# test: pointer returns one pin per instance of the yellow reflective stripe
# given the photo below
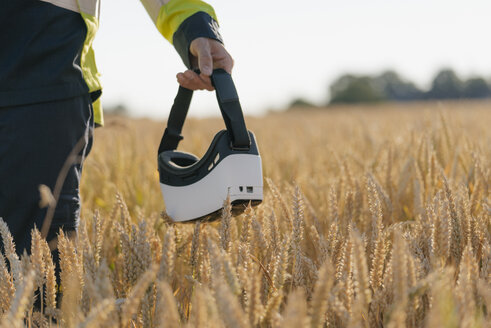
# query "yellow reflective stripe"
(153, 8)
(88, 65)
(175, 12)
(98, 114)
(89, 68)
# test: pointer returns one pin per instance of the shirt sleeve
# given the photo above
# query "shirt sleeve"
(182, 21)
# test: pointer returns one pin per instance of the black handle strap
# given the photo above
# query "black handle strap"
(230, 108)
(228, 100)
(172, 134)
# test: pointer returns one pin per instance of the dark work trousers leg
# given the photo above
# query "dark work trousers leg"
(35, 142)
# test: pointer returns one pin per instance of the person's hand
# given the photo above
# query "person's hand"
(207, 54)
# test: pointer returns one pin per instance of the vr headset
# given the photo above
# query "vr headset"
(231, 168)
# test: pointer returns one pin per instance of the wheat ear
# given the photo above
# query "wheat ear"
(10, 254)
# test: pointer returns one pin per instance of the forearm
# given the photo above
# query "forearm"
(182, 21)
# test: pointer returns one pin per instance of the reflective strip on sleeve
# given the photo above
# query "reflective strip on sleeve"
(153, 7)
(175, 12)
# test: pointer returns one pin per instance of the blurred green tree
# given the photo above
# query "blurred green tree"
(300, 103)
(391, 86)
(396, 88)
(355, 89)
(446, 85)
(476, 87)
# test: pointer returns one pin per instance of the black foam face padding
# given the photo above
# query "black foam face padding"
(184, 161)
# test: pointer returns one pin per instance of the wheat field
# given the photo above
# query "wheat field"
(374, 216)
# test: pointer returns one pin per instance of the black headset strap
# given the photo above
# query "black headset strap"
(177, 116)
(230, 108)
(228, 100)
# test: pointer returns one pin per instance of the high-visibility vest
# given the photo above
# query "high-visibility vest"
(166, 14)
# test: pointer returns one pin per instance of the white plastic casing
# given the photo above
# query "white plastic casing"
(238, 176)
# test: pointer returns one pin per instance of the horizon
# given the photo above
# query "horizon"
(300, 49)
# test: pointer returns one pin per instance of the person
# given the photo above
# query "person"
(50, 99)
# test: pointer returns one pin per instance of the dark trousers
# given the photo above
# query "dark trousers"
(35, 142)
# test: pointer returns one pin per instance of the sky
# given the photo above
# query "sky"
(289, 49)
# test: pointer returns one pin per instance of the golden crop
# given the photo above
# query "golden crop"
(373, 217)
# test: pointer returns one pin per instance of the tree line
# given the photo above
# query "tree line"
(390, 86)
